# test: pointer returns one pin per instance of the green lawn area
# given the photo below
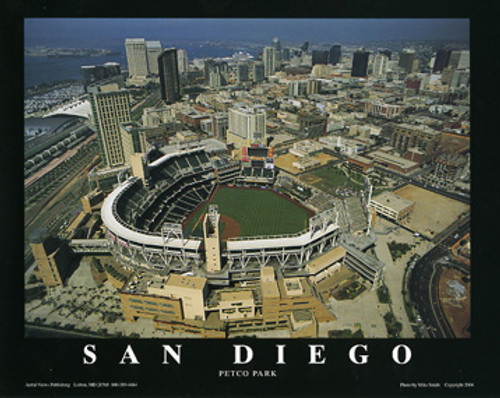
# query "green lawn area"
(393, 326)
(345, 334)
(333, 177)
(350, 292)
(398, 249)
(383, 295)
(258, 212)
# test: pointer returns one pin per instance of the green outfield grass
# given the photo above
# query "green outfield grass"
(258, 212)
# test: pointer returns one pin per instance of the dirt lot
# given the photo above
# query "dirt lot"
(433, 212)
(324, 158)
(456, 310)
(453, 143)
(285, 162)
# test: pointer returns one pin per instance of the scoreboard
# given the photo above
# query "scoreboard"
(257, 156)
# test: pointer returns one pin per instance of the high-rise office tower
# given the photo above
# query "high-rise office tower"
(285, 54)
(216, 73)
(277, 47)
(319, 57)
(208, 65)
(269, 58)
(153, 50)
(110, 105)
(242, 72)
(447, 75)
(219, 125)
(169, 76)
(305, 47)
(459, 59)
(215, 79)
(258, 72)
(137, 57)
(406, 58)
(246, 126)
(380, 65)
(297, 88)
(442, 59)
(360, 63)
(313, 86)
(386, 52)
(94, 73)
(133, 140)
(223, 69)
(335, 54)
(182, 61)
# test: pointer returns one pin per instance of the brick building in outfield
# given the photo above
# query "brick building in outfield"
(406, 136)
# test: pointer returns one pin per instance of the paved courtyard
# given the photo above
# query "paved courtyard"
(89, 309)
(395, 270)
(363, 312)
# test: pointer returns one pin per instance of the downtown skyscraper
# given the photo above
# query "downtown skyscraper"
(360, 63)
(137, 57)
(169, 76)
(110, 105)
(335, 54)
(182, 61)
(269, 58)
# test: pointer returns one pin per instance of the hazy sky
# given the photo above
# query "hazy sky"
(314, 30)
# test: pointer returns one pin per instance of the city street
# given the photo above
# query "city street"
(423, 285)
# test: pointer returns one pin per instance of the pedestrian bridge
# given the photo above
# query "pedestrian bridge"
(89, 245)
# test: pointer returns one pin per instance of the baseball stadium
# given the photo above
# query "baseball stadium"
(187, 214)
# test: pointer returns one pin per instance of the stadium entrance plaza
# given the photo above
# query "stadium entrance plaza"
(365, 311)
(395, 270)
(75, 303)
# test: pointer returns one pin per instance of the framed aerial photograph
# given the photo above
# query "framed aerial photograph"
(236, 204)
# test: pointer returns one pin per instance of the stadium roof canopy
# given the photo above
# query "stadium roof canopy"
(77, 108)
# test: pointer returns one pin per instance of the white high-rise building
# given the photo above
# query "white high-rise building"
(269, 58)
(182, 61)
(137, 58)
(110, 106)
(215, 80)
(459, 59)
(153, 50)
(277, 47)
(380, 65)
(246, 126)
(297, 88)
